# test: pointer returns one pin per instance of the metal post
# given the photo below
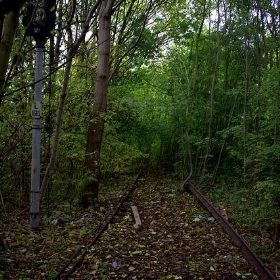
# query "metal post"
(36, 141)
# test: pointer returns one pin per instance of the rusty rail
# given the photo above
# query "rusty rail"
(263, 272)
(75, 261)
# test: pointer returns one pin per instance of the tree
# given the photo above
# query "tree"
(8, 28)
(96, 126)
(74, 46)
(103, 76)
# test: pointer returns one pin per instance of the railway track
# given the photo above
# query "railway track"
(263, 272)
(80, 260)
(74, 262)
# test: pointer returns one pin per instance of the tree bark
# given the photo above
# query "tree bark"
(10, 25)
(96, 124)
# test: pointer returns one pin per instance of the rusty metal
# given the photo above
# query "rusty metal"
(75, 261)
(263, 272)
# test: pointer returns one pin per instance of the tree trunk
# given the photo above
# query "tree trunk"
(224, 143)
(196, 63)
(70, 55)
(10, 24)
(245, 98)
(212, 98)
(62, 99)
(96, 125)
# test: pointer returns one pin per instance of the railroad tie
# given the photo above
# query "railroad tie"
(137, 219)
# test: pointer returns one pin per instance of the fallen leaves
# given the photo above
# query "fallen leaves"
(178, 240)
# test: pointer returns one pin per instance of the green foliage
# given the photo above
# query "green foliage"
(267, 199)
(119, 157)
(3, 262)
(81, 182)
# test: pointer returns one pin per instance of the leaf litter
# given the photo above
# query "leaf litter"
(178, 240)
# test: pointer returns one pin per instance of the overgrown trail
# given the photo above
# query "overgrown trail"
(178, 240)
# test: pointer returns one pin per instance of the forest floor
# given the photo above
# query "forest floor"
(178, 240)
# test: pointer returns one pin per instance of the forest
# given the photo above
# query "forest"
(92, 91)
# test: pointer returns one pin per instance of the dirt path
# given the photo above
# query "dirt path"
(178, 240)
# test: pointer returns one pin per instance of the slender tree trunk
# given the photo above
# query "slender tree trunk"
(277, 100)
(213, 88)
(227, 40)
(71, 52)
(276, 122)
(245, 100)
(224, 143)
(196, 63)
(62, 99)
(277, 97)
(10, 24)
(58, 37)
(96, 125)
(197, 166)
(187, 131)
(263, 33)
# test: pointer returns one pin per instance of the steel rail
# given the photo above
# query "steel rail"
(263, 272)
(75, 261)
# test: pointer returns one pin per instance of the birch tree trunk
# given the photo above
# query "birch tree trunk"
(96, 125)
